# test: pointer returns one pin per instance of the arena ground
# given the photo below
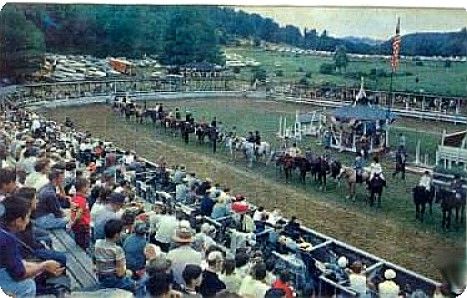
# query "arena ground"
(390, 232)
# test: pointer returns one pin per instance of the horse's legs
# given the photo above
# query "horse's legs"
(422, 212)
(379, 194)
(417, 210)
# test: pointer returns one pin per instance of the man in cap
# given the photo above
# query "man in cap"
(184, 254)
(211, 283)
(110, 211)
(389, 288)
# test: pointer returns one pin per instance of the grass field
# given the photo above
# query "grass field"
(434, 77)
(390, 232)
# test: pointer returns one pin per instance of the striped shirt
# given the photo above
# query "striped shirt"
(107, 254)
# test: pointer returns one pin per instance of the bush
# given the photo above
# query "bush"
(327, 68)
(259, 74)
(236, 69)
(419, 63)
(308, 74)
(378, 72)
(447, 63)
(300, 69)
(280, 73)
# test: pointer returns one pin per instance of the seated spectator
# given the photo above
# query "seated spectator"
(283, 283)
(239, 204)
(357, 279)
(80, 214)
(192, 275)
(7, 182)
(38, 241)
(292, 229)
(183, 254)
(220, 207)
(338, 271)
(242, 264)
(231, 280)
(110, 258)
(110, 211)
(39, 178)
(389, 288)
(134, 247)
(160, 286)
(275, 293)
(101, 201)
(181, 191)
(258, 213)
(16, 274)
(211, 284)
(207, 205)
(255, 286)
(49, 214)
(165, 225)
(204, 239)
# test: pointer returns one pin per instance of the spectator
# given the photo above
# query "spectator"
(110, 258)
(110, 211)
(211, 284)
(184, 254)
(255, 286)
(80, 215)
(357, 279)
(160, 286)
(165, 226)
(231, 280)
(220, 208)
(192, 275)
(16, 274)
(7, 182)
(389, 288)
(37, 240)
(181, 191)
(401, 157)
(283, 283)
(275, 293)
(134, 247)
(38, 178)
(49, 214)
(207, 203)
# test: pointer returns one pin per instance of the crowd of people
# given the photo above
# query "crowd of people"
(54, 177)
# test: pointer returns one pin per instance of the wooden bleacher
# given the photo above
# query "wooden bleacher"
(80, 267)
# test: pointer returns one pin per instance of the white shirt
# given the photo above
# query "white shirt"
(36, 124)
(358, 283)
(253, 288)
(388, 289)
(425, 181)
(293, 151)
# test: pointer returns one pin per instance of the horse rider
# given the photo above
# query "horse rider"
(257, 141)
(457, 187)
(358, 165)
(178, 115)
(425, 181)
(294, 151)
(189, 117)
(376, 169)
(401, 157)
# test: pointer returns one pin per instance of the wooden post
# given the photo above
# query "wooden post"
(280, 126)
(417, 153)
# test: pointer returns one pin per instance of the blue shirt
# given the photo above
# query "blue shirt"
(48, 202)
(134, 252)
(207, 204)
(10, 257)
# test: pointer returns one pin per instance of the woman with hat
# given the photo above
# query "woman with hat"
(389, 288)
(184, 254)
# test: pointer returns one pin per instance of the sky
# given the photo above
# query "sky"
(376, 23)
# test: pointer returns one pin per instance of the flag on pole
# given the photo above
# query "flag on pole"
(396, 47)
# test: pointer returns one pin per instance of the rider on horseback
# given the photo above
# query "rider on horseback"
(457, 187)
(257, 141)
(358, 167)
(425, 181)
(178, 115)
(376, 170)
(294, 151)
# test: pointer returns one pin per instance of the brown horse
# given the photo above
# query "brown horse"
(351, 176)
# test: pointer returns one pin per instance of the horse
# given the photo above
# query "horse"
(351, 176)
(421, 197)
(376, 186)
(288, 163)
(451, 200)
(263, 150)
(303, 166)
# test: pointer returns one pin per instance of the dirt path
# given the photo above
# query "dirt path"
(410, 248)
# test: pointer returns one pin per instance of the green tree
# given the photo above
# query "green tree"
(21, 44)
(340, 58)
(259, 74)
(326, 68)
(190, 38)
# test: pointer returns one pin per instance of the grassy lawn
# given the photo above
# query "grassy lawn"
(433, 76)
(390, 232)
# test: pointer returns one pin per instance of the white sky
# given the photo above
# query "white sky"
(379, 23)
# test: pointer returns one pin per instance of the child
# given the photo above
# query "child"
(80, 215)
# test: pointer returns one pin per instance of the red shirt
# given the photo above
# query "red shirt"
(278, 284)
(81, 203)
(240, 207)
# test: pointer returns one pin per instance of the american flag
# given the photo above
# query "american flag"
(396, 47)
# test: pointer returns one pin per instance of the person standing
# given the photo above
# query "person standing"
(213, 135)
(401, 157)
(80, 215)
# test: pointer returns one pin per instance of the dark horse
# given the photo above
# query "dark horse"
(421, 197)
(451, 200)
(376, 186)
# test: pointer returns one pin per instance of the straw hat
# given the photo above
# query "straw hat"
(183, 235)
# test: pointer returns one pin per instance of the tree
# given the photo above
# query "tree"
(190, 38)
(326, 68)
(340, 58)
(21, 44)
(259, 74)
